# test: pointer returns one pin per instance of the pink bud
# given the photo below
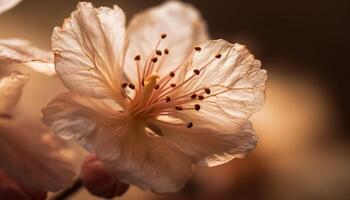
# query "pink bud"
(98, 181)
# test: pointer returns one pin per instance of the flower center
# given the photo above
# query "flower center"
(155, 96)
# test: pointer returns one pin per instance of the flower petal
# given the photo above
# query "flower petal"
(73, 116)
(180, 21)
(88, 51)
(207, 147)
(142, 160)
(231, 82)
(21, 51)
(34, 158)
(137, 157)
(8, 4)
(11, 90)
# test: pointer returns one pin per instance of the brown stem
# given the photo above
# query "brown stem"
(69, 191)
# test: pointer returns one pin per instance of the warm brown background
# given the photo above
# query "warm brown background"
(304, 127)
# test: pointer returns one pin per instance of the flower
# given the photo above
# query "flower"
(153, 99)
(28, 152)
(22, 51)
(8, 4)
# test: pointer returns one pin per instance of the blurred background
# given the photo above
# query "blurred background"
(304, 126)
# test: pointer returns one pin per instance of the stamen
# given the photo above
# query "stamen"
(159, 52)
(138, 57)
(173, 85)
(200, 97)
(172, 74)
(196, 71)
(166, 51)
(167, 99)
(218, 56)
(189, 125)
(207, 90)
(197, 107)
(198, 49)
(124, 85)
(193, 96)
(179, 108)
(163, 35)
(154, 60)
(131, 86)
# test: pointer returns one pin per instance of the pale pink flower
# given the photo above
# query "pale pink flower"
(14, 50)
(153, 99)
(27, 151)
(8, 4)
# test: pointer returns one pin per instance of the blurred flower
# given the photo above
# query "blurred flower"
(22, 51)
(148, 101)
(11, 189)
(27, 153)
(8, 4)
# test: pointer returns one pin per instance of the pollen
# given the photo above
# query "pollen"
(189, 125)
(179, 108)
(124, 85)
(131, 86)
(197, 107)
(163, 35)
(218, 56)
(154, 60)
(207, 90)
(159, 52)
(196, 71)
(166, 51)
(138, 57)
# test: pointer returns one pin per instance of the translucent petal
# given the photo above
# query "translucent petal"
(88, 51)
(230, 80)
(11, 90)
(33, 157)
(183, 26)
(21, 51)
(209, 147)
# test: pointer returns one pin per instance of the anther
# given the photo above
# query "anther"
(198, 49)
(163, 35)
(138, 57)
(207, 90)
(189, 125)
(200, 97)
(143, 82)
(172, 74)
(166, 51)
(179, 108)
(159, 52)
(131, 86)
(218, 56)
(197, 107)
(154, 60)
(124, 85)
(167, 99)
(156, 87)
(173, 85)
(196, 71)
(193, 96)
